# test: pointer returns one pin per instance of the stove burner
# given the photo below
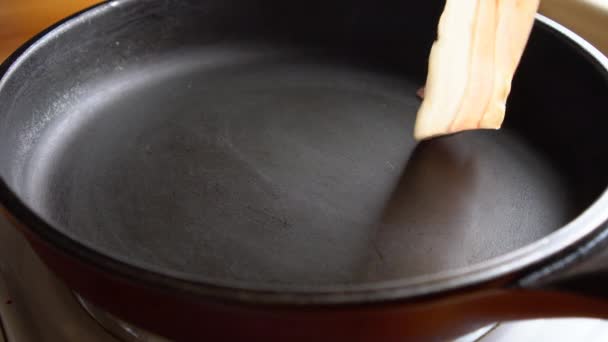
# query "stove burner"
(129, 333)
(120, 329)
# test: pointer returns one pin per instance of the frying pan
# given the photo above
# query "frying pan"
(246, 170)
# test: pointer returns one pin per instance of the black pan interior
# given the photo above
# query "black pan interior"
(263, 143)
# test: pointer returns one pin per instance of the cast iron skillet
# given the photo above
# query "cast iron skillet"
(246, 169)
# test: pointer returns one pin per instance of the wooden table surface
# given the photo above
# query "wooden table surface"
(588, 18)
(21, 19)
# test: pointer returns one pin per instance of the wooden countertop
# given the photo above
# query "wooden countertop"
(588, 18)
(21, 19)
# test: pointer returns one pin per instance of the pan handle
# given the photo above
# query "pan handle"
(582, 271)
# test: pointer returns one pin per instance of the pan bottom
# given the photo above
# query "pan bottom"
(269, 167)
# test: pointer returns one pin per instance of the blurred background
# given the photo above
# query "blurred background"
(20, 19)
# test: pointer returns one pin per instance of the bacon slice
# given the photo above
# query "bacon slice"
(472, 63)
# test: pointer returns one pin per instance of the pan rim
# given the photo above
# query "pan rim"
(590, 222)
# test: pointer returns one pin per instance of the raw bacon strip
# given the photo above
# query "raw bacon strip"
(472, 63)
